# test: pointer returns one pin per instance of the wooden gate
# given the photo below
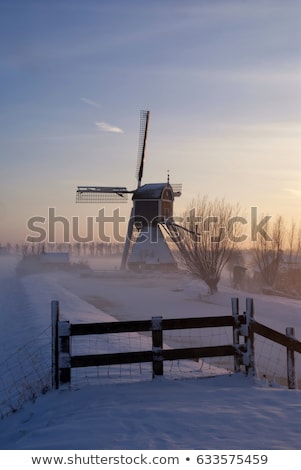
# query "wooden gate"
(243, 327)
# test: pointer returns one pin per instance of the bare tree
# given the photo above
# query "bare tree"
(294, 243)
(293, 258)
(268, 250)
(211, 231)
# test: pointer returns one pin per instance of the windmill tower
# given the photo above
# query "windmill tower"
(152, 208)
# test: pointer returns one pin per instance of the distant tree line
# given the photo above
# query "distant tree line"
(75, 249)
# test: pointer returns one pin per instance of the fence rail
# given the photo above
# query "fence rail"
(148, 325)
(244, 327)
(286, 340)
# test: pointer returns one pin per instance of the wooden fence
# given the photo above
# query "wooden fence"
(287, 340)
(242, 348)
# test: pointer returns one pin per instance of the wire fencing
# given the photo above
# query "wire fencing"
(132, 342)
(25, 374)
(271, 363)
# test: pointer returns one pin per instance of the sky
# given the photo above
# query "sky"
(221, 79)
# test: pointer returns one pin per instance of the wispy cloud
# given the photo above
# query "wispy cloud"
(90, 102)
(295, 192)
(105, 127)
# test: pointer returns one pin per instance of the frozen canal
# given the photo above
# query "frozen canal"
(15, 317)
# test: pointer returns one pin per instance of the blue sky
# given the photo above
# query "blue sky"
(221, 79)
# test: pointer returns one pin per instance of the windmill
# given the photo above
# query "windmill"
(152, 207)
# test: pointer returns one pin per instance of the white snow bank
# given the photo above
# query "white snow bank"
(227, 412)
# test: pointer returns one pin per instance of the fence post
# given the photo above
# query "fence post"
(291, 371)
(64, 359)
(235, 314)
(249, 354)
(60, 361)
(55, 316)
(157, 345)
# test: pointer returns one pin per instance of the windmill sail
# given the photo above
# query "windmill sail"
(144, 119)
(101, 194)
(177, 189)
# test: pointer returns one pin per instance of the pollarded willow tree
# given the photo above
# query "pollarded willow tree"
(209, 233)
(268, 250)
(294, 259)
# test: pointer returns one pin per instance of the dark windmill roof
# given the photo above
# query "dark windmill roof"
(151, 191)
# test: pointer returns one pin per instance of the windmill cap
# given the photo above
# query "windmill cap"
(152, 191)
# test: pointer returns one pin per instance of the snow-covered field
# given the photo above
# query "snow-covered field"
(223, 411)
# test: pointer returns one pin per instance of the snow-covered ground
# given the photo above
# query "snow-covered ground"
(193, 411)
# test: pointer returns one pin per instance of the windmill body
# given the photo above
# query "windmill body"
(153, 203)
(152, 208)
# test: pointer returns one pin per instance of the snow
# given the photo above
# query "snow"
(193, 411)
(218, 413)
